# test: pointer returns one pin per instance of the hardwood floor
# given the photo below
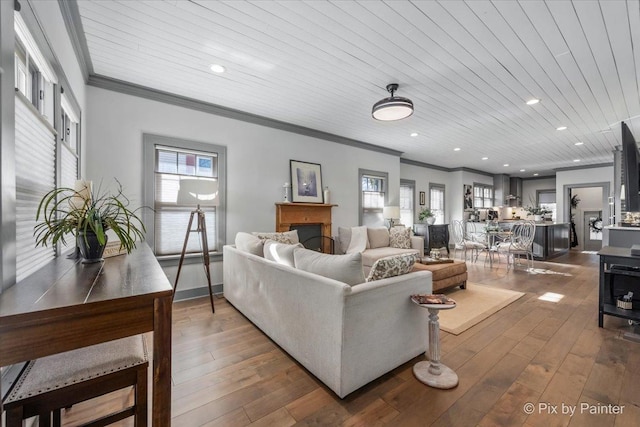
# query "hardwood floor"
(228, 373)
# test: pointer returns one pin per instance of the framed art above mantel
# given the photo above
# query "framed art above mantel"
(306, 182)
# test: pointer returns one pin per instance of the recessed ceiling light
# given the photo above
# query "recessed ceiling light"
(414, 134)
(506, 164)
(485, 158)
(456, 149)
(217, 68)
(561, 128)
(579, 143)
(576, 160)
(522, 170)
(533, 101)
(536, 174)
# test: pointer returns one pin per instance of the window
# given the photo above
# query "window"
(373, 188)
(547, 200)
(180, 176)
(436, 202)
(407, 192)
(482, 195)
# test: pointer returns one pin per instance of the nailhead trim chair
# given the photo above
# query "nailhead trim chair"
(59, 381)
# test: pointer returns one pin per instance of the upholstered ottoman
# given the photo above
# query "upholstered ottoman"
(446, 275)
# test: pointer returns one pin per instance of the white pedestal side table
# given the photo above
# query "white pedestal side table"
(432, 372)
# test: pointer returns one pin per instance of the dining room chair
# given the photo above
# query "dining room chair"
(521, 243)
(465, 242)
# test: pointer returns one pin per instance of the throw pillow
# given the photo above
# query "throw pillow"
(358, 241)
(344, 238)
(343, 268)
(392, 266)
(287, 237)
(249, 243)
(400, 237)
(280, 252)
(378, 237)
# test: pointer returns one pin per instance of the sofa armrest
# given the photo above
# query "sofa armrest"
(417, 242)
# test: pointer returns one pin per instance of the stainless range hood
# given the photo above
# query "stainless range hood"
(507, 190)
(515, 192)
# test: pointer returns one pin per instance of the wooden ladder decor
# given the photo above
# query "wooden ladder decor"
(202, 230)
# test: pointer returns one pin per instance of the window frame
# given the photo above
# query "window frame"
(412, 185)
(484, 187)
(150, 142)
(377, 174)
(436, 186)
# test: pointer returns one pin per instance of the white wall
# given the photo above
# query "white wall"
(530, 186)
(423, 177)
(581, 176)
(257, 159)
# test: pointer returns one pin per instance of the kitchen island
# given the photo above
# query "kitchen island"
(551, 238)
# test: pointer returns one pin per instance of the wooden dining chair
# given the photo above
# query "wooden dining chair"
(51, 383)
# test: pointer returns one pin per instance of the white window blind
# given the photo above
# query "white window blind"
(406, 205)
(184, 180)
(35, 176)
(436, 203)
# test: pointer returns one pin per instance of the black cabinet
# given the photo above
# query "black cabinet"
(619, 273)
(435, 236)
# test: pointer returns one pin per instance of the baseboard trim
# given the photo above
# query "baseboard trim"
(188, 294)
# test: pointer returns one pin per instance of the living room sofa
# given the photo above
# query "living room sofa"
(379, 244)
(346, 335)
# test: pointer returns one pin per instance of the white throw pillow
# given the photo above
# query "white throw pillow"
(358, 241)
(249, 243)
(344, 238)
(400, 237)
(280, 252)
(392, 266)
(343, 268)
(288, 237)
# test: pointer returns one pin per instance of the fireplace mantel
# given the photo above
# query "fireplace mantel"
(288, 214)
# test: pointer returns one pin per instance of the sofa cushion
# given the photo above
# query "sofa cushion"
(400, 237)
(392, 266)
(249, 243)
(280, 252)
(287, 237)
(344, 268)
(358, 241)
(378, 237)
(370, 256)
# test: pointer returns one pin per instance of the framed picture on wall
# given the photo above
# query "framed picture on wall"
(467, 190)
(422, 197)
(306, 182)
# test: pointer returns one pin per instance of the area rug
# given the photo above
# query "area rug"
(474, 304)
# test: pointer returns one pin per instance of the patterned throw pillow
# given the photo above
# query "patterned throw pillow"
(392, 266)
(287, 237)
(400, 237)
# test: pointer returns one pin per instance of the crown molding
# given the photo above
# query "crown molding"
(73, 23)
(572, 168)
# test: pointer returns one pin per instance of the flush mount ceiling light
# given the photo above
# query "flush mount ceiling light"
(217, 68)
(561, 128)
(533, 101)
(392, 108)
(414, 134)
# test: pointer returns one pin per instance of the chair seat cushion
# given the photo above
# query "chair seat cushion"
(63, 369)
(475, 245)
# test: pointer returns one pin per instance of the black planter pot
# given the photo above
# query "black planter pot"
(90, 248)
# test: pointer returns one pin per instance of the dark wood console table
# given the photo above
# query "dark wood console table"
(436, 236)
(67, 305)
(610, 255)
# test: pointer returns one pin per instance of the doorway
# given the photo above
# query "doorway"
(587, 209)
(592, 230)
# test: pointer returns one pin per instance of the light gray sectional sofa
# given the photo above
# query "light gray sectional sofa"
(345, 335)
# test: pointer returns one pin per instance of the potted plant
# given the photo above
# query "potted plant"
(428, 215)
(537, 212)
(87, 215)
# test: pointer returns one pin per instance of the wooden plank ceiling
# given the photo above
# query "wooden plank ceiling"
(468, 66)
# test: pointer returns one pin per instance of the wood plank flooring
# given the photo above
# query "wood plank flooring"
(226, 372)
